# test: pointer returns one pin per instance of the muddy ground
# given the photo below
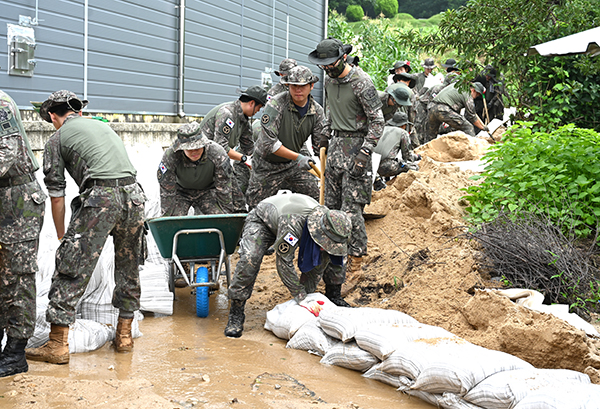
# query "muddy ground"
(417, 264)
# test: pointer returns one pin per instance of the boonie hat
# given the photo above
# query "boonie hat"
(327, 52)
(300, 75)
(404, 76)
(450, 63)
(490, 71)
(400, 94)
(479, 87)
(330, 229)
(285, 66)
(60, 97)
(257, 93)
(400, 118)
(399, 64)
(428, 63)
(189, 137)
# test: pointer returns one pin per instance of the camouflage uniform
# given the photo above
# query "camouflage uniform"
(279, 221)
(205, 185)
(110, 202)
(446, 107)
(276, 89)
(21, 217)
(282, 126)
(284, 69)
(422, 101)
(410, 111)
(393, 141)
(344, 190)
(387, 110)
(227, 125)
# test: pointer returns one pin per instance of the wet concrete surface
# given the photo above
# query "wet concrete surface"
(189, 361)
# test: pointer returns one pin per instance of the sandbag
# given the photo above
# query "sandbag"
(377, 374)
(342, 323)
(349, 355)
(310, 337)
(564, 396)
(506, 389)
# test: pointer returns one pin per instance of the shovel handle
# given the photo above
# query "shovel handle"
(316, 170)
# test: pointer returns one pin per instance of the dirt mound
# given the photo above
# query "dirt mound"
(454, 146)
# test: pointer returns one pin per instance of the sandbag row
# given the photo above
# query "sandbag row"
(425, 361)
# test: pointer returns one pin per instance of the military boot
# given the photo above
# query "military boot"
(123, 338)
(56, 350)
(13, 359)
(235, 325)
(334, 293)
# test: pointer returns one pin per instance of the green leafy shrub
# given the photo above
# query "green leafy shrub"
(354, 12)
(388, 8)
(554, 174)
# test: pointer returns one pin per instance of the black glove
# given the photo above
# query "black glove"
(485, 128)
(360, 161)
(324, 143)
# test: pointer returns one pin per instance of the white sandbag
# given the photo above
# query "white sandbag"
(441, 365)
(377, 374)
(444, 401)
(383, 340)
(349, 355)
(155, 295)
(506, 389)
(310, 337)
(342, 323)
(86, 335)
(286, 318)
(565, 396)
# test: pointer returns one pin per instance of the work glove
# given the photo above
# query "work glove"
(304, 162)
(314, 307)
(360, 161)
(485, 128)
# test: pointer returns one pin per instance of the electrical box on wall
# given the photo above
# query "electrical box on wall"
(21, 48)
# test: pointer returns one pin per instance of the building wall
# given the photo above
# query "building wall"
(132, 53)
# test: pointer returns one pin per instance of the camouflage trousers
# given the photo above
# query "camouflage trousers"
(203, 202)
(18, 267)
(118, 212)
(268, 178)
(391, 167)
(438, 113)
(347, 191)
(242, 174)
(256, 239)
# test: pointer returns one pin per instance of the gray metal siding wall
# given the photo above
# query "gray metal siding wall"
(133, 50)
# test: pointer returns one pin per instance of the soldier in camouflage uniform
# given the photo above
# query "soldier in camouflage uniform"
(392, 99)
(446, 107)
(399, 67)
(354, 122)
(21, 216)
(289, 222)
(284, 69)
(227, 124)
(195, 172)
(288, 120)
(428, 67)
(110, 202)
(394, 148)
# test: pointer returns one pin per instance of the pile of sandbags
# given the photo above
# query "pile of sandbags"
(425, 361)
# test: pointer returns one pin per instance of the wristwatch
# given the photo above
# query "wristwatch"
(244, 159)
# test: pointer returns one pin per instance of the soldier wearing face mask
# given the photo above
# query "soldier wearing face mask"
(353, 125)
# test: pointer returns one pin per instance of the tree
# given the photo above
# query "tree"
(388, 8)
(499, 32)
(427, 8)
(354, 12)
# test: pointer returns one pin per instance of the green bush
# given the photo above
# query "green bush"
(552, 174)
(354, 12)
(388, 8)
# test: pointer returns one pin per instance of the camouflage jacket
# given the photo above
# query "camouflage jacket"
(20, 210)
(276, 89)
(388, 111)
(282, 125)
(177, 175)
(364, 106)
(457, 100)
(227, 125)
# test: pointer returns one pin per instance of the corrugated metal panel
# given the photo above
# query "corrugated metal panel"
(133, 49)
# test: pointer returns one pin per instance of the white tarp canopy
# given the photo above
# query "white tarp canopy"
(585, 42)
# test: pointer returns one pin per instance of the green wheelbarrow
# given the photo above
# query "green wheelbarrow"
(198, 239)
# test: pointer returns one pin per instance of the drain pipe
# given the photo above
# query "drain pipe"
(180, 111)
(326, 21)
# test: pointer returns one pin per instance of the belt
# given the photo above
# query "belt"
(129, 180)
(347, 134)
(17, 180)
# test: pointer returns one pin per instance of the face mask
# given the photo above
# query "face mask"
(337, 69)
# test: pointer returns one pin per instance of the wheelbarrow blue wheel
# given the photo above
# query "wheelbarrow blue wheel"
(202, 293)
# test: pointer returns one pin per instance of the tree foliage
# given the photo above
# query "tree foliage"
(354, 12)
(388, 8)
(426, 9)
(499, 32)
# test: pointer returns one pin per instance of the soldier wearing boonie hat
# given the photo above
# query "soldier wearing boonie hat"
(405, 97)
(195, 172)
(284, 69)
(228, 125)
(391, 99)
(394, 148)
(281, 159)
(428, 66)
(355, 124)
(290, 222)
(110, 202)
(446, 107)
(399, 66)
